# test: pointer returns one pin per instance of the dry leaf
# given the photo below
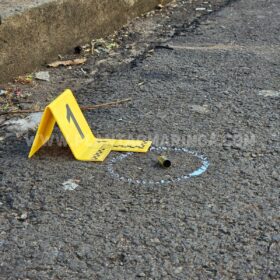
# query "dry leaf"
(67, 62)
(36, 107)
(24, 80)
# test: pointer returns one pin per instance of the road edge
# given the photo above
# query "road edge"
(37, 35)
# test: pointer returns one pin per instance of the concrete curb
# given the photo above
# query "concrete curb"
(36, 33)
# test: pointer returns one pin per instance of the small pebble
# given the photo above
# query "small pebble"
(200, 9)
(22, 217)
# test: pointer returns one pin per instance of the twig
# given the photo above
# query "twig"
(84, 108)
(167, 47)
(22, 102)
(20, 112)
(17, 102)
(105, 105)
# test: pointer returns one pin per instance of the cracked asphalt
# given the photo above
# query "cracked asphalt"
(203, 85)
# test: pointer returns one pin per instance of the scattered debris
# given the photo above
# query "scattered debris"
(112, 45)
(43, 76)
(22, 217)
(17, 92)
(83, 49)
(269, 93)
(100, 45)
(3, 92)
(76, 61)
(21, 126)
(83, 71)
(70, 185)
(159, 7)
(13, 95)
(178, 270)
(4, 106)
(12, 99)
(24, 80)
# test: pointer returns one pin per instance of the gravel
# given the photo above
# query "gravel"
(223, 224)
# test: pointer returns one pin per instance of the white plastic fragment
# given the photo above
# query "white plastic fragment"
(2, 92)
(20, 126)
(43, 76)
(70, 185)
(23, 216)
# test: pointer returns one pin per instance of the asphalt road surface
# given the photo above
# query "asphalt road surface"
(209, 99)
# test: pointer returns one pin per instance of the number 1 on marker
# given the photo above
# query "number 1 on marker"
(70, 116)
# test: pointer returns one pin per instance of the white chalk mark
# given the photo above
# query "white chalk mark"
(204, 166)
(269, 93)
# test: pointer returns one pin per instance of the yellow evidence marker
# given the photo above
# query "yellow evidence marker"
(65, 111)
